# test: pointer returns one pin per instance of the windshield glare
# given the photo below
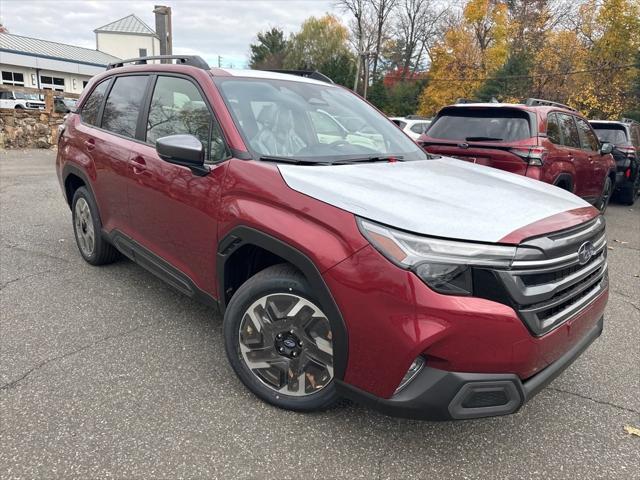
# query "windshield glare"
(475, 124)
(311, 122)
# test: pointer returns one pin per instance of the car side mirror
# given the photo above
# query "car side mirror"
(606, 148)
(185, 150)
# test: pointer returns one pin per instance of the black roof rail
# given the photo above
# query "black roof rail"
(628, 120)
(192, 60)
(418, 117)
(313, 74)
(538, 102)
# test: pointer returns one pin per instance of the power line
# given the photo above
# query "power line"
(515, 77)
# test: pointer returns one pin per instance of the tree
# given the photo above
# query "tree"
(613, 35)
(322, 44)
(270, 51)
(472, 49)
(510, 83)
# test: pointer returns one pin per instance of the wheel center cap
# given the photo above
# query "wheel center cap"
(288, 345)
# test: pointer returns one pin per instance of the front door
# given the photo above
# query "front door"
(173, 210)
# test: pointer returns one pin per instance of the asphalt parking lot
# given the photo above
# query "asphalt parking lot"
(109, 373)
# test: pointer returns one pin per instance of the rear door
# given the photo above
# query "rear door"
(571, 150)
(482, 135)
(174, 210)
(598, 164)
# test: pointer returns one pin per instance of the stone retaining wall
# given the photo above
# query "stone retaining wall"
(28, 128)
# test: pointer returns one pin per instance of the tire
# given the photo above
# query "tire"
(629, 191)
(605, 196)
(266, 346)
(87, 230)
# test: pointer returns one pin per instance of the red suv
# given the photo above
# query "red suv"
(538, 139)
(347, 263)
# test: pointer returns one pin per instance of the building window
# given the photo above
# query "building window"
(74, 83)
(13, 78)
(52, 83)
(142, 52)
(34, 80)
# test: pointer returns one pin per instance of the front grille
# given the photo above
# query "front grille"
(547, 284)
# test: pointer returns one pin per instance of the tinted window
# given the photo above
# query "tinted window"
(91, 107)
(123, 105)
(587, 137)
(478, 124)
(611, 133)
(553, 129)
(569, 131)
(636, 136)
(178, 108)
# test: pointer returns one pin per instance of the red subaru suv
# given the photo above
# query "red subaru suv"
(539, 139)
(346, 262)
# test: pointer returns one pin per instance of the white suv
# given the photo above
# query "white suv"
(28, 101)
(412, 125)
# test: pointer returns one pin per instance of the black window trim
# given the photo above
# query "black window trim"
(141, 131)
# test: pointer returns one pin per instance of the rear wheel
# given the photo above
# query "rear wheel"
(279, 341)
(629, 192)
(605, 197)
(88, 230)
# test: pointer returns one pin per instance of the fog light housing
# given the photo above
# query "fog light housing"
(414, 369)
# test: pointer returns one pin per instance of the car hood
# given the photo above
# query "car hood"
(443, 197)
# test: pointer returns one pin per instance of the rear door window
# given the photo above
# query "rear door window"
(481, 124)
(553, 129)
(419, 128)
(123, 105)
(569, 131)
(91, 107)
(588, 139)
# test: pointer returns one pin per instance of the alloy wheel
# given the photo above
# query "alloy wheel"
(85, 234)
(286, 342)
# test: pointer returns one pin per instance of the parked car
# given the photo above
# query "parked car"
(427, 288)
(538, 139)
(64, 105)
(625, 136)
(20, 100)
(412, 125)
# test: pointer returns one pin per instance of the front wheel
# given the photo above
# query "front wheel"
(87, 230)
(279, 341)
(605, 197)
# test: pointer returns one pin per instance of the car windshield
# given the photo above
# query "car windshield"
(26, 96)
(481, 124)
(311, 122)
(611, 134)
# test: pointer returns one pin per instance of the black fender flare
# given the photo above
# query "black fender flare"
(69, 169)
(564, 176)
(243, 235)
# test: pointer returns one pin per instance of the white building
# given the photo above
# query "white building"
(34, 63)
(128, 37)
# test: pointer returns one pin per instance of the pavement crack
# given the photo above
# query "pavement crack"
(46, 362)
(35, 252)
(625, 298)
(31, 275)
(601, 402)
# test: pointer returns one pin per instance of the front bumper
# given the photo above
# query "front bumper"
(441, 395)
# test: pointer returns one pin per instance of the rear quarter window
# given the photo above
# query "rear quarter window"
(478, 124)
(91, 107)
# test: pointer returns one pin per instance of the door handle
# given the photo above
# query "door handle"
(138, 164)
(90, 144)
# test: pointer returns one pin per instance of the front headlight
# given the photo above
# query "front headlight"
(444, 265)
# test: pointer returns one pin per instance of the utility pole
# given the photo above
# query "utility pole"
(219, 61)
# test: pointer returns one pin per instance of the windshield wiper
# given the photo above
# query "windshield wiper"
(484, 139)
(372, 158)
(273, 158)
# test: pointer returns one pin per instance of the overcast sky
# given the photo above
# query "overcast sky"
(207, 28)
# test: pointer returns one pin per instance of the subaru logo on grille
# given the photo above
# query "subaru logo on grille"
(585, 252)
